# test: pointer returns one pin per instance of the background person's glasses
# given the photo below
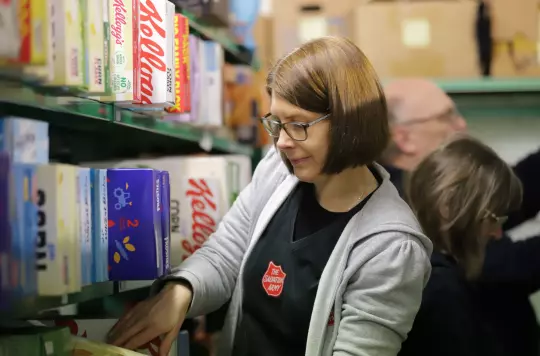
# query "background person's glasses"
(450, 116)
(296, 130)
(499, 220)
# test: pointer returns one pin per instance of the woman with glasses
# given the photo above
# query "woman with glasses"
(461, 194)
(319, 255)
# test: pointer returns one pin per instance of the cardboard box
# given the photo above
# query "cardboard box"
(58, 247)
(511, 18)
(135, 235)
(153, 58)
(182, 90)
(100, 225)
(67, 44)
(120, 63)
(516, 34)
(434, 38)
(289, 17)
(429, 38)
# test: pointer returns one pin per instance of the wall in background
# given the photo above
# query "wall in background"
(513, 139)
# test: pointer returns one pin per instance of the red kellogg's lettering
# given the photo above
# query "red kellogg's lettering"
(152, 55)
(119, 21)
(203, 225)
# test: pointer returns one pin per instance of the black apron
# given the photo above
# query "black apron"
(282, 273)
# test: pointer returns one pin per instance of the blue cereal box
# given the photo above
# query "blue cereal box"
(27, 141)
(5, 230)
(166, 220)
(24, 230)
(85, 224)
(100, 230)
(135, 233)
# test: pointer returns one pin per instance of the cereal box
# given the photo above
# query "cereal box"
(24, 29)
(135, 232)
(94, 45)
(121, 48)
(67, 43)
(151, 52)
(166, 220)
(25, 140)
(24, 231)
(182, 66)
(5, 229)
(100, 229)
(85, 225)
(57, 246)
(10, 30)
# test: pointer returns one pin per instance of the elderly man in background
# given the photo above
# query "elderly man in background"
(422, 116)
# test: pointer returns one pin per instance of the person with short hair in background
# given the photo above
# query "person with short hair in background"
(461, 193)
(319, 253)
(422, 116)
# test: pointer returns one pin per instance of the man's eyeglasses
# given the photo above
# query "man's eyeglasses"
(450, 116)
(296, 130)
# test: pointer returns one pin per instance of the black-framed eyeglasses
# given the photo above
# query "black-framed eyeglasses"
(296, 130)
(499, 220)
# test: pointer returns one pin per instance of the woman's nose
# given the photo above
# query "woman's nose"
(284, 140)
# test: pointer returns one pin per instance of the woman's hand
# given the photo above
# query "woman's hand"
(161, 315)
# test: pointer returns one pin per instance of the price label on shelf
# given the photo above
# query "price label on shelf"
(206, 142)
(125, 286)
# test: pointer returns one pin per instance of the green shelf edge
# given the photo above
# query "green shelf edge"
(490, 85)
(32, 307)
(486, 85)
(85, 112)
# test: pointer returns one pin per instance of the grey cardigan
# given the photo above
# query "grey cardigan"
(373, 280)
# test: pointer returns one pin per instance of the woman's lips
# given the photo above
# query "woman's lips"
(296, 162)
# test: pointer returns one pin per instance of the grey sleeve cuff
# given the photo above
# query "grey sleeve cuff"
(188, 277)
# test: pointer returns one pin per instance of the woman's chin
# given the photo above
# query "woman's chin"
(305, 175)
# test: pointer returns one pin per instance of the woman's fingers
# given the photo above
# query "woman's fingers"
(145, 335)
(123, 336)
(168, 340)
(121, 324)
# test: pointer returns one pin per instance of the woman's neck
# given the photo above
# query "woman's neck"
(341, 192)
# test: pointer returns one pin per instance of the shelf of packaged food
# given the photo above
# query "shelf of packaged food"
(36, 307)
(84, 114)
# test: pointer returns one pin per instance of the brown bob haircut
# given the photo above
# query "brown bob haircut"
(330, 75)
(454, 190)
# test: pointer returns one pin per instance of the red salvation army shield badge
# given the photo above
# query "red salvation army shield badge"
(273, 280)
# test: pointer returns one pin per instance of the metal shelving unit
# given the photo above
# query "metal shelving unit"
(82, 129)
(491, 98)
